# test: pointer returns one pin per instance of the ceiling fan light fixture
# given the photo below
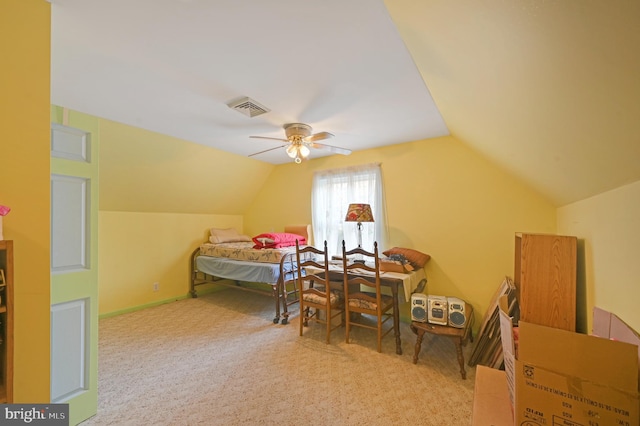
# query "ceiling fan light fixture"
(292, 151)
(300, 140)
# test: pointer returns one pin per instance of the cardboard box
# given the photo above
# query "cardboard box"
(491, 399)
(610, 326)
(565, 378)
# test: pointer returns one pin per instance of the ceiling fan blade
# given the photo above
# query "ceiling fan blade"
(318, 137)
(267, 150)
(266, 137)
(331, 148)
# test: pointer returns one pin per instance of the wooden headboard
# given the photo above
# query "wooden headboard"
(304, 230)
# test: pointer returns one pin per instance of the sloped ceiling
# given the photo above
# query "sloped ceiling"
(172, 67)
(548, 89)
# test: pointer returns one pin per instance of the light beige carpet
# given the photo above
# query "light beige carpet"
(219, 360)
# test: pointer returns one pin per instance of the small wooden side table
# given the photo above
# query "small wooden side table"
(459, 335)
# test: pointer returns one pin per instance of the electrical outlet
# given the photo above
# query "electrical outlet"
(156, 286)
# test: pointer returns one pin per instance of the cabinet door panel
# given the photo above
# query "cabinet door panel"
(545, 275)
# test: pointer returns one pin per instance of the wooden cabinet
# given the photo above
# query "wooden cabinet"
(6, 321)
(545, 278)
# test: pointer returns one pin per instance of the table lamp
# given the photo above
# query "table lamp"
(359, 213)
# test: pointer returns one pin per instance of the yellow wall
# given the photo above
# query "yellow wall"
(24, 184)
(158, 198)
(145, 171)
(138, 249)
(442, 198)
(608, 230)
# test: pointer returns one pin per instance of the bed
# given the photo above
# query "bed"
(230, 260)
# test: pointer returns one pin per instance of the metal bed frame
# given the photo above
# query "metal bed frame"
(280, 290)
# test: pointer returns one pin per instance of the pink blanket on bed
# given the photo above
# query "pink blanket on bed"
(277, 240)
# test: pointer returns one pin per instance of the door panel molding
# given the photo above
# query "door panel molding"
(70, 212)
(70, 143)
(69, 349)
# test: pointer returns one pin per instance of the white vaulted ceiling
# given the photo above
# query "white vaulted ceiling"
(172, 66)
(547, 89)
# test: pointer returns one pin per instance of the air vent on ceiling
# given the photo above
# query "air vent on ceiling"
(248, 107)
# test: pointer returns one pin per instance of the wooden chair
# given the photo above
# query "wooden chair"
(369, 302)
(318, 294)
(288, 283)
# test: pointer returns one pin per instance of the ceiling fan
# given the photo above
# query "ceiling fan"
(300, 139)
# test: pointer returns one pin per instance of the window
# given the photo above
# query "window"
(332, 192)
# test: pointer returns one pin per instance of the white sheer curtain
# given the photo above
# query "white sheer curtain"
(332, 192)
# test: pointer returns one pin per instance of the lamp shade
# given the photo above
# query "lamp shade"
(359, 213)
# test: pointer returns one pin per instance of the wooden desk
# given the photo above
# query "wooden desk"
(392, 280)
(459, 335)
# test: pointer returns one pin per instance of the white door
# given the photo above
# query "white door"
(74, 264)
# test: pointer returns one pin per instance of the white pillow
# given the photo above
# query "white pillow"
(228, 235)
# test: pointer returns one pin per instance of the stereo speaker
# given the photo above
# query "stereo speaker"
(437, 312)
(457, 315)
(419, 307)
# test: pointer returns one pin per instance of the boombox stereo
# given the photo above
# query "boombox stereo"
(437, 312)
(419, 307)
(457, 317)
